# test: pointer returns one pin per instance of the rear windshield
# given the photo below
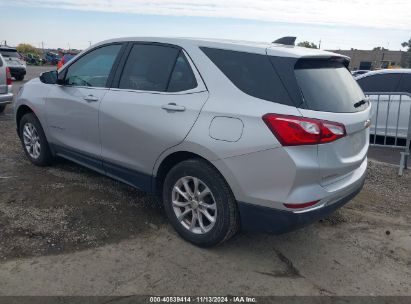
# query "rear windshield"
(9, 53)
(328, 86)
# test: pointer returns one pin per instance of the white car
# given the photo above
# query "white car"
(14, 62)
(393, 110)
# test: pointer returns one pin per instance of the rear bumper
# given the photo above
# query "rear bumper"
(6, 98)
(256, 218)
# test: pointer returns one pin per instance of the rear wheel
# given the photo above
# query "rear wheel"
(2, 108)
(34, 141)
(199, 203)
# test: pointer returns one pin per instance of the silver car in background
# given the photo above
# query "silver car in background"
(13, 60)
(6, 95)
(229, 134)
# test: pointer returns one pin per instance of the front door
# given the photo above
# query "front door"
(73, 108)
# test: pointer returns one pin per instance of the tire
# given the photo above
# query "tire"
(30, 127)
(2, 108)
(19, 77)
(224, 211)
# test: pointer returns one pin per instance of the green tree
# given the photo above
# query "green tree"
(308, 44)
(407, 61)
(26, 48)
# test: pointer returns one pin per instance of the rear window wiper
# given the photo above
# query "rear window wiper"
(361, 102)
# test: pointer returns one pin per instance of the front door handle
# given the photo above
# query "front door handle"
(91, 98)
(173, 107)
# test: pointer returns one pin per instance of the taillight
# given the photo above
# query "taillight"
(295, 130)
(8, 76)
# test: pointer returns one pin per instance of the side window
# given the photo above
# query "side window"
(148, 67)
(93, 69)
(251, 73)
(182, 78)
(380, 83)
(405, 83)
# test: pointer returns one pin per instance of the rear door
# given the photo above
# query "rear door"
(330, 93)
(151, 107)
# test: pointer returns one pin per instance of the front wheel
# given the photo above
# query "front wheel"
(34, 140)
(2, 108)
(200, 204)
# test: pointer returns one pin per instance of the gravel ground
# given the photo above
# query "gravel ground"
(49, 215)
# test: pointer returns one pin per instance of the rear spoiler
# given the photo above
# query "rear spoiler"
(320, 60)
(288, 40)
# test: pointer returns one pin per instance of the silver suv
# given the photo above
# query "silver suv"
(229, 134)
(6, 95)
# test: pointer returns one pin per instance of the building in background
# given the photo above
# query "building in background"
(374, 59)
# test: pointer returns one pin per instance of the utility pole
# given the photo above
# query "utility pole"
(319, 45)
(89, 42)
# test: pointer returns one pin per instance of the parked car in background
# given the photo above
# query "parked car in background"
(52, 58)
(33, 59)
(219, 130)
(359, 72)
(66, 58)
(393, 116)
(6, 95)
(14, 62)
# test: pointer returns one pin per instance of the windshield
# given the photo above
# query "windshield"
(328, 86)
(9, 53)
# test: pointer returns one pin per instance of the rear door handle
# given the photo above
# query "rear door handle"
(173, 107)
(91, 98)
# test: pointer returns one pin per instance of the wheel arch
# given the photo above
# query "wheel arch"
(21, 111)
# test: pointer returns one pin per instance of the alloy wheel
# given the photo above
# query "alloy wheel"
(194, 205)
(31, 140)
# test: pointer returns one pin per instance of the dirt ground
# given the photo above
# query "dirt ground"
(65, 230)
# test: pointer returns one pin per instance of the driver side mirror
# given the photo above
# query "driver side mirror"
(50, 77)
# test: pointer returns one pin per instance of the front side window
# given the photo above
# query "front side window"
(380, 82)
(93, 69)
(157, 68)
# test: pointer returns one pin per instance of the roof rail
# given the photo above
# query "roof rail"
(288, 40)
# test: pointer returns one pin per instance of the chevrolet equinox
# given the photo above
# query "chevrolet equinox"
(230, 134)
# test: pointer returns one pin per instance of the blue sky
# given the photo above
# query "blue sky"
(74, 23)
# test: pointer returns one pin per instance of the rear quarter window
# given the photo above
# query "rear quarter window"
(253, 74)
